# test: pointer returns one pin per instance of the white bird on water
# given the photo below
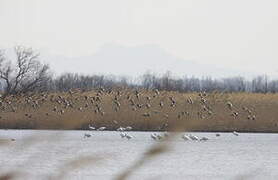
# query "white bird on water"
(101, 128)
(154, 136)
(121, 129)
(194, 138)
(128, 128)
(235, 133)
(185, 137)
(91, 127)
(125, 135)
(122, 134)
(128, 136)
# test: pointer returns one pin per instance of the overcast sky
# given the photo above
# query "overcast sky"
(240, 34)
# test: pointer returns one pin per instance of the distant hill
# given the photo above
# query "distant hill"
(134, 61)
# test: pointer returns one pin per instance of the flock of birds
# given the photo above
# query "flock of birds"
(147, 103)
(154, 136)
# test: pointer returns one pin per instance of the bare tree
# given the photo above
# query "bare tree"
(27, 74)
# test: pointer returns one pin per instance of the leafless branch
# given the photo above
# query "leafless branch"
(28, 73)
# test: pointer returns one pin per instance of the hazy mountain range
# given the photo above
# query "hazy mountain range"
(134, 61)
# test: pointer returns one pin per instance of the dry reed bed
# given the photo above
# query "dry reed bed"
(142, 110)
(180, 111)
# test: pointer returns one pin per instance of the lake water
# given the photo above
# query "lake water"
(43, 154)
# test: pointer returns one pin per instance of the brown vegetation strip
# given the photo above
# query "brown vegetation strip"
(142, 110)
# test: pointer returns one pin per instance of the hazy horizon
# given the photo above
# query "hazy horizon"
(134, 61)
(237, 37)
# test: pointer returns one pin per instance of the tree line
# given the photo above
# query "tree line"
(26, 73)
